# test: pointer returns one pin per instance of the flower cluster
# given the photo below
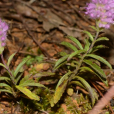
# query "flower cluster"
(3, 34)
(103, 10)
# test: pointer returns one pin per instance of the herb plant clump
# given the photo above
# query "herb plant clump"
(13, 83)
(83, 59)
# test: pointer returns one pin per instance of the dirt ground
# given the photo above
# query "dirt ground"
(39, 26)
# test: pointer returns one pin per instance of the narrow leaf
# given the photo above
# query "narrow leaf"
(24, 83)
(26, 78)
(59, 91)
(63, 54)
(100, 59)
(61, 64)
(74, 63)
(88, 87)
(87, 44)
(18, 78)
(28, 93)
(62, 59)
(92, 71)
(78, 83)
(74, 54)
(63, 78)
(93, 28)
(60, 88)
(76, 41)
(6, 87)
(4, 78)
(69, 45)
(87, 69)
(4, 90)
(95, 48)
(96, 68)
(32, 84)
(101, 39)
(89, 34)
(9, 88)
(3, 85)
(3, 65)
(43, 74)
(20, 66)
(50, 99)
(10, 59)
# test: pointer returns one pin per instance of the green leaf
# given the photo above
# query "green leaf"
(60, 90)
(1, 48)
(96, 68)
(74, 54)
(63, 54)
(69, 45)
(95, 94)
(78, 83)
(100, 59)
(50, 99)
(43, 74)
(87, 69)
(10, 76)
(5, 90)
(3, 85)
(9, 88)
(92, 71)
(10, 59)
(88, 87)
(3, 65)
(62, 59)
(63, 78)
(4, 78)
(32, 84)
(39, 58)
(95, 48)
(28, 93)
(20, 66)
(89, 34)
(76, 41)
(37, 85)
(55, 68)
(25, 82)
(26, 78)
(6, 87)
(102, 38)
(74, 63)
(87, 44)
(18, 78)
(93, 28)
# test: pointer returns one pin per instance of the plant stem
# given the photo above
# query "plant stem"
(81, 60)
(10, 73)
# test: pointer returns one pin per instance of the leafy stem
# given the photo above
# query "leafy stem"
(11, 75)
(81, 60)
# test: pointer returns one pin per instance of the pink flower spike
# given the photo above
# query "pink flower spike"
(3, 44)
(3, 38)
(102, 10)
(3, 33)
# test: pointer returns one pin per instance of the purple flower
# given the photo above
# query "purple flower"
(3, 33)
(102, 10)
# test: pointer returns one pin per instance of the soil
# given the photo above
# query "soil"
(37, 27)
